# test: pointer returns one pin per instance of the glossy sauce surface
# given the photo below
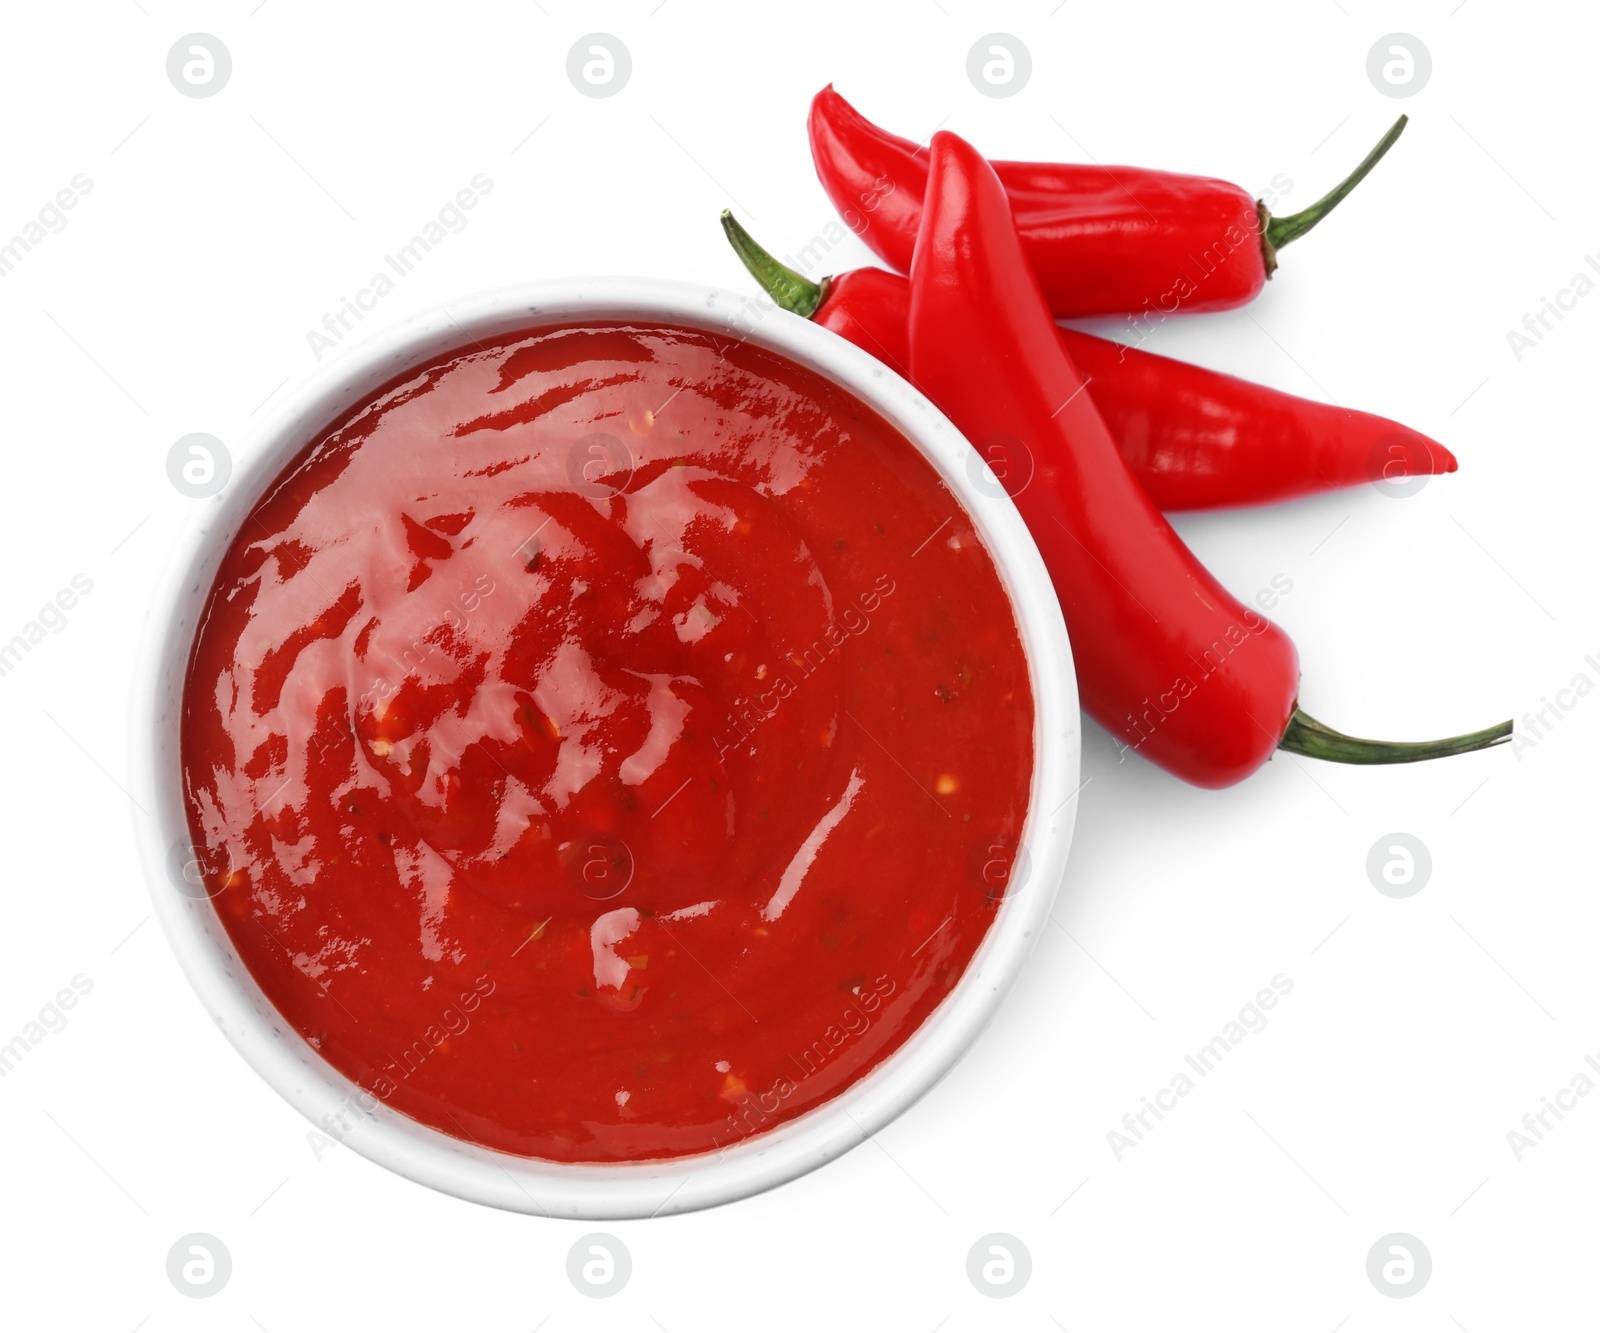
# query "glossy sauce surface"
(607, 743)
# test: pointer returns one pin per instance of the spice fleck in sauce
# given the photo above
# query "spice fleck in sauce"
(607, 743)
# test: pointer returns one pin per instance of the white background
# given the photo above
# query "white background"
(1418, 1032)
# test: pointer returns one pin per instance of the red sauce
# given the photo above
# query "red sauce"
(607, 743)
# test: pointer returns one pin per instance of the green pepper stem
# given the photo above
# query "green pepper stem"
(1278, 232)
(789, 289)
(1305, 735)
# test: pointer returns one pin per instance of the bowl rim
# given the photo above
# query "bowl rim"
(347, 1113)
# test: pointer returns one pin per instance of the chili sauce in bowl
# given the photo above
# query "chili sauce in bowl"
(589, 738)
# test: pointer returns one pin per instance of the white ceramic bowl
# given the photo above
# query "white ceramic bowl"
(522, 1184)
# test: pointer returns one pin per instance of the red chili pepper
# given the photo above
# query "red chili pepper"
(1166, 658)
(1103, 240)
(1195, 439)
